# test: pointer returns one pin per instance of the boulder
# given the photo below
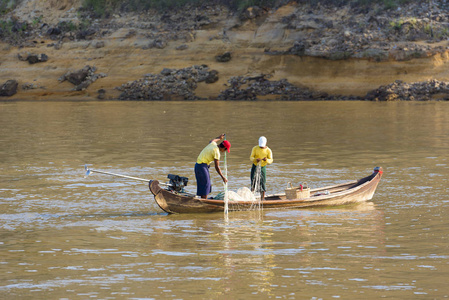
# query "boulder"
(36, 58)
(82, 78)
(32, 58)
(169, 84)
(9, 88)
(225, 57)
(212, 77)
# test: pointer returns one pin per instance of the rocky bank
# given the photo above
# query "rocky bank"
(296, 51)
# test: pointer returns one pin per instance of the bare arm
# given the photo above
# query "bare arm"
(217, 168)
(218, 138)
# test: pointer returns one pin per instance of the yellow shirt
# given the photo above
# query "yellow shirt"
(209, 153)
(261, 153)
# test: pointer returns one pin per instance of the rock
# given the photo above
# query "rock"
(9, 88)
(166, 72)
(299, 48)
(101, 94)
(417, 91)
(86, 34)
(159, 43)
(169, 84)
(77, 77)
(23, 56)
(182, 47)
(98, 44)
(54, 33)
(212, 77)
(251, 12)
(82, 78)
(33, 58)
(58, 45)
(225, 57)
(30, 86)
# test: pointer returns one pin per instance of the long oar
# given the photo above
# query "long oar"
(89, 171)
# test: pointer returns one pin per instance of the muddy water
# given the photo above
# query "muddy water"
(63, 236)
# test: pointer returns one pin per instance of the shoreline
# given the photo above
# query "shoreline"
(273, 56)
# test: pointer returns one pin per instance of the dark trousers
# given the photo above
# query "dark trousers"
(203, 183)
(263, 178)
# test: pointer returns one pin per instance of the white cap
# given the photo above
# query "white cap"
(262, 141)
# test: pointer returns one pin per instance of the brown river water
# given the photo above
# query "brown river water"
(63, 236)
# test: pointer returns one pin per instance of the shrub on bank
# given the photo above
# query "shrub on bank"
(7, 6)
(103, 8)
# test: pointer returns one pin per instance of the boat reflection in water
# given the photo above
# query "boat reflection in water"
(269, 243)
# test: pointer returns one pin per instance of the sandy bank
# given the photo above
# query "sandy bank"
(258, 47)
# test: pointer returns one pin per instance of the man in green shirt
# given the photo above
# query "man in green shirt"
(262, 155)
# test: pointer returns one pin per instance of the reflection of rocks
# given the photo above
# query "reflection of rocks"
(82, 78)
(9, 88)
(170, 84)
(421, 91)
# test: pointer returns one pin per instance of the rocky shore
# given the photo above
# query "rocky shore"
(298, 51)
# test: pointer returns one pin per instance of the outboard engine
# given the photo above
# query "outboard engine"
(177, 183)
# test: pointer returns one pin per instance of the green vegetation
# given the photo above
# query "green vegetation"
(396, 25)
(13, 30)
(6, 6)
(67, 26)
(388, 4)
(104, 8)
(391, 4)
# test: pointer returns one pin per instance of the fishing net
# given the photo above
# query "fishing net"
(243, 199)
(255, 186)
(242, 194)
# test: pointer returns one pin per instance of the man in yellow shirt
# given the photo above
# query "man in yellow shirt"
(211, 153)
(260, 155)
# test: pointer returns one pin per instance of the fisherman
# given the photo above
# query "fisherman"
(261, 156)
(211, 153)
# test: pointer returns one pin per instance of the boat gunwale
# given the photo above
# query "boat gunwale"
(293, 201)
(187, 203)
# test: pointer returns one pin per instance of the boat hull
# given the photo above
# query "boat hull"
(343, 194)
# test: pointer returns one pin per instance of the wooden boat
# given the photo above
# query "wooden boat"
(346, 193)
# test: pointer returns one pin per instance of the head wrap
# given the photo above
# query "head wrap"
(262, 141)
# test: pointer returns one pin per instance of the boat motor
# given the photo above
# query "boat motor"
(177, 183)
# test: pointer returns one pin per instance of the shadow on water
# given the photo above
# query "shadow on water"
(115, 215)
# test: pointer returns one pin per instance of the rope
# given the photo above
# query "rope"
(226, 197)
